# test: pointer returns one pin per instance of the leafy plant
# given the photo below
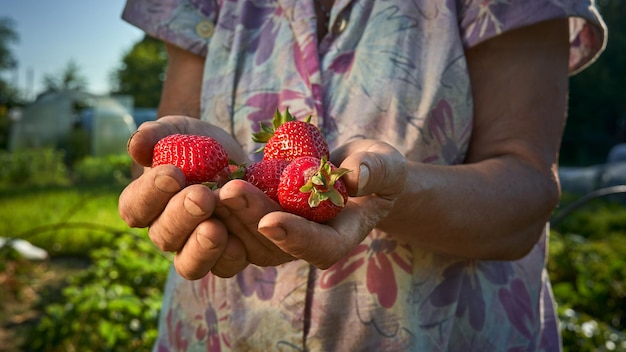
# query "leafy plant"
(36, 167)
(590, 276)
(113, 304)
(582, 333)
(112, 169)
(599, 220)
(587, 266)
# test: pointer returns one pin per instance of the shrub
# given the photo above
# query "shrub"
(36, 167)
(597, 220)
(47, 167)
(591, 276)
(113, 304)
(583, 333)
(112, 168)
(587, 266)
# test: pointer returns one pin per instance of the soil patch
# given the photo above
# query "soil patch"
(25, 287)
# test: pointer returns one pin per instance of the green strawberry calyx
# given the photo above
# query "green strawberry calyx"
(237, 171)
(267, 131)
(321, 185)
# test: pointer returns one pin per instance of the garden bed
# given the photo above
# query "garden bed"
(35, 283)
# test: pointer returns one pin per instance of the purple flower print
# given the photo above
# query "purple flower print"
(264, 21)
(177, 340)
(518, 307)
(204, 7)
(264, 105)
(485, 20)
(379, 256)
(306, 60)
(160, 11)
(443, 131)
(343, 62)
(259, 280)
(207, 330)
(461, 285)
(207, 323)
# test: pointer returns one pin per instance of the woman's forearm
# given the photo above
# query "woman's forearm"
(495, 209)
(183, 83)
(495, 205)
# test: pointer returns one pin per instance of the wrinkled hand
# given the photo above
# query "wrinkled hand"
(180, 219)
(377, 179)
(225, 230)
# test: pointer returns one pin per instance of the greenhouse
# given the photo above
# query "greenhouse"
(77, 122)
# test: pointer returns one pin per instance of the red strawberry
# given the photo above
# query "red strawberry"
(201, 158)
(265, 175)
(312, 188)
(289, 138)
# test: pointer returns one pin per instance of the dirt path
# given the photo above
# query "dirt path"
(24, 287)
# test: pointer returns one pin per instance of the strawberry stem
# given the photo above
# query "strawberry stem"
(267, 131)
(321, 185)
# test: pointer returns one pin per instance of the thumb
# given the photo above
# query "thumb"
(377, 168)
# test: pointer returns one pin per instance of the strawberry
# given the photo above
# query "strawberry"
(288, 138)
(202, 159)
(265, 175)
(311, 187)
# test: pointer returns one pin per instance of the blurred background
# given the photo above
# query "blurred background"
(76, 81)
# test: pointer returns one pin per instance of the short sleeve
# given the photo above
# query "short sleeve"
(481, 20)
(188, 24)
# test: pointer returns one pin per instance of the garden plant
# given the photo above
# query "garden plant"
(111, 301)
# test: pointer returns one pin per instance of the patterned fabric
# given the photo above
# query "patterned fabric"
(391, 70)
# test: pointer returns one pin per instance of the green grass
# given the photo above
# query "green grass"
(116, 276)
(64, 220)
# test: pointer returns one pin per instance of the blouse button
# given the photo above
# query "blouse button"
(204, 29)
(340, 24)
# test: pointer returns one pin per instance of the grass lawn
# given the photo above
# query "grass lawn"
(64, 220)
(67, 221)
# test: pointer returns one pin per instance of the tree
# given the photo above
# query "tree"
(7, 36)
(70, 78)
(142, 72)
(597, 104)
(9, 95)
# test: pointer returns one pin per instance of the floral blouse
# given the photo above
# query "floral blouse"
(392, 70)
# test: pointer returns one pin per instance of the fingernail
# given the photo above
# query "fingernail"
(364, 176)
(166, 184)
(274, 233)
(205, 242)
(228, 257)
(235, 203)
(129, 139)
(192, 207)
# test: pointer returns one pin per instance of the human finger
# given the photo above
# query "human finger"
(201, 250)
(241, 206)
(141, 143)
(233, 260)
(319, 244)
(141, 202)
(182, 215)
(380, 168)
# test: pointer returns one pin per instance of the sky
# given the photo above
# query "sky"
(53, 33)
